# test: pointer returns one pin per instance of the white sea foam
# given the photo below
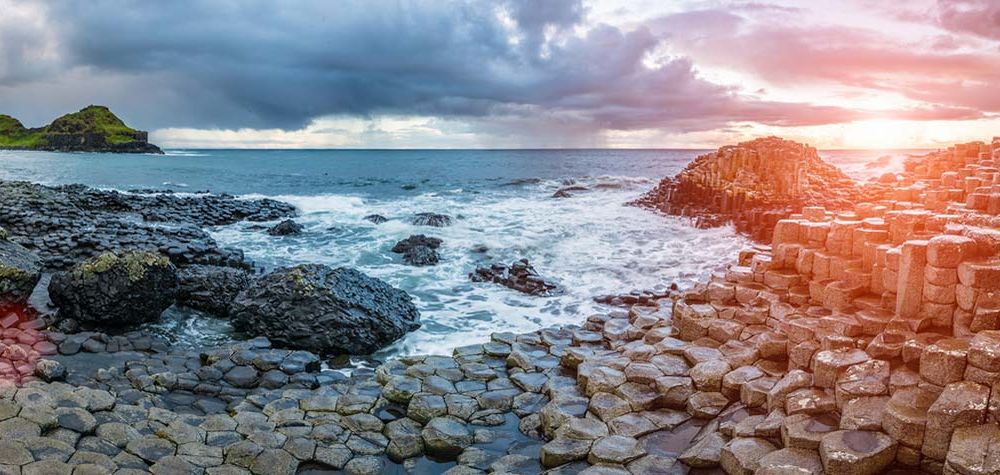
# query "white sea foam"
(589, 244)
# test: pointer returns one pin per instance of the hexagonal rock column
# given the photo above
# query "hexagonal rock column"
(828, 365)
(974, 450)
(856, 452)
(943, 362)
(741, 456)
(906, 416)
(960, 404)
(910, 284)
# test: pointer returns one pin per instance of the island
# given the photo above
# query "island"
(92, 129)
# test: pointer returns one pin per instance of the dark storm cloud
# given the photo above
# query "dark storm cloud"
(264, 64)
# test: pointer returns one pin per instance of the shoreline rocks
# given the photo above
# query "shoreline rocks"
(752, 185)
(287, 227)
(116, 290)
(20, 271)
(324, 310)
(419, 250)
(211, 289)
(520, 276)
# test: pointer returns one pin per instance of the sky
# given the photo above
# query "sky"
(511, 73)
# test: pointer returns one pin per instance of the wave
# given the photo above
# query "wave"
(590, 244)
(185, 153)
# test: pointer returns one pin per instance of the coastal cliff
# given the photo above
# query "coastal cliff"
(92, 129)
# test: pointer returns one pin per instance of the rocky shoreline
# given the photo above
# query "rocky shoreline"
(863, 339)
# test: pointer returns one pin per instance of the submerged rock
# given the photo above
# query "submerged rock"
(211, 289)
(431, 219)
(286, 228)
(20, 271)
(116, 289)
(519, 276)
(324, 310)
(419, 250)
(376, 218)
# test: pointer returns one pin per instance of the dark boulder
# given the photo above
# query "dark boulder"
(323, 310)
(431, 219)
(376, 218)
(116, 289)
(419, 250)
(211, 289)
(520, 276)
(19, 271)
(567, 192)
(286, 228)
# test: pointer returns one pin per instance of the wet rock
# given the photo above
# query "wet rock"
(419, 250)
(324, 310)
(376, 218)
(287, 227)
(431, 219)
(116, 289)
(446, 436)
(520, 276)
(211, 289)
(856, 452)
(20, 271)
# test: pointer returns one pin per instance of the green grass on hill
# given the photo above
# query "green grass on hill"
(13, 134)
(91, 119)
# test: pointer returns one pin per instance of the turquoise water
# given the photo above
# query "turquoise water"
(590, 244)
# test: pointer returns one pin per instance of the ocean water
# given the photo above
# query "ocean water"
(501, 200)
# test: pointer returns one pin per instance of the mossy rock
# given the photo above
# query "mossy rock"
(116, 289)
(20, 271)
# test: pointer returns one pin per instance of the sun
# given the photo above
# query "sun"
(881, 134)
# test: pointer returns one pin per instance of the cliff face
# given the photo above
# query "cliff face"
(752, 185)
(92, 129)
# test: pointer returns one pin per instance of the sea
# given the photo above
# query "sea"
(501, 201)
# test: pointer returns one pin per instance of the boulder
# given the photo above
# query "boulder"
(324, 310)
(19, 271)
(419, 250)
(286, 228)
(116, 289)
(211, 289)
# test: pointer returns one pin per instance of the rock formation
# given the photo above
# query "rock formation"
(211, 289)
(520, 276)
(92, 129)
(419, 250)
(752, 185)
(324, 310)
(115, 290)
(20, 271)
(287, 227)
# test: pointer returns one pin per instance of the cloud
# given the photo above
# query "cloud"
(951, 79)
(533, 73)
(976, 17)
(258, 64)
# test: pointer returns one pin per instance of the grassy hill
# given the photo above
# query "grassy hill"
(92, 129)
